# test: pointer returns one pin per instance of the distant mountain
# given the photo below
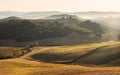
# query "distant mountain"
(96, 14)
(37, 15)
(28, 15)
(5, 14)
(60, 16)
(41, 14)
(11, 18)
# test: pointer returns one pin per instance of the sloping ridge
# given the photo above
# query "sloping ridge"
(107, 54)
(102, 55)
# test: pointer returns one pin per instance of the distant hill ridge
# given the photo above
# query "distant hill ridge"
(11, 18)
(43, 14)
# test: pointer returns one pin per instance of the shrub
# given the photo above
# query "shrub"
(10, 52)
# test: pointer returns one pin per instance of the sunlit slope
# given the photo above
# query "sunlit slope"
(92, 54)
(26, 67)
(62, 54)
(102, 55)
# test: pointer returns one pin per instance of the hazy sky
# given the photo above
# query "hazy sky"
(60, 5)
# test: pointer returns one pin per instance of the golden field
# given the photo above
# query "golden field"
(46, 61)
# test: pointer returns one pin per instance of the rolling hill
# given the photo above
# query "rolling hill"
(49, 32)
(102, 55)
(28, 15)
(95, 27)
(59, 60)
(26, 30)
(44, 14)
(91, 54)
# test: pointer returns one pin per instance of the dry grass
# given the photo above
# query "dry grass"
(61, 54)
(21, 66)
(26, 67)
(102, 55)
(11, 52)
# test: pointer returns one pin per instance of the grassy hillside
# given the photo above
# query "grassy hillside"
(102, 55)
(61, 53)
